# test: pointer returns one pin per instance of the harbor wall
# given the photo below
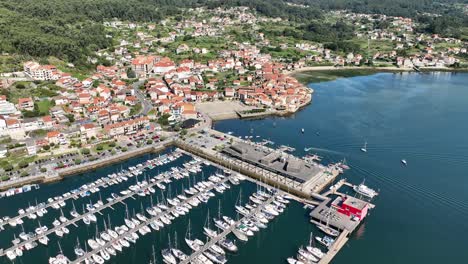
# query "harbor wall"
(242, 170)
(58, 175)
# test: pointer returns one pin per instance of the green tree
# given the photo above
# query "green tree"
(23, 164)
(130, 73)
(85, 151)
(8, 167)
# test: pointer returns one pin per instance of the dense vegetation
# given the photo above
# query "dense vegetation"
(67, 29)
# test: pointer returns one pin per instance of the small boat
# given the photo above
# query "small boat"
(294, 261)
(326, 241)
(404, 162)
(302, 130)
(228, 244)
(364, 148)
(328, 230)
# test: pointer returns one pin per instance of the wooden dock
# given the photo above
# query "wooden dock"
(335, 248)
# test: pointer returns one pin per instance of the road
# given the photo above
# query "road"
(145, 103)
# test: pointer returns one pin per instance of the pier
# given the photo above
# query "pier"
(108, 244)
(305, 189)
(120, 199)
(270, 168)
(62, 198)
(226, 232)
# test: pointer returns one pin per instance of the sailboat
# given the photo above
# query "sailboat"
(195, 244)
(314, 250)
(206, 228)
(167, 255)
(78, 250)
(364, 148)
(60, 258)
(176, 251)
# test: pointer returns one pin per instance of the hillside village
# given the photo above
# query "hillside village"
(157, 73)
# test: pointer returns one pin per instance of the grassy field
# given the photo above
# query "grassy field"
(374, 45)
(44, 106)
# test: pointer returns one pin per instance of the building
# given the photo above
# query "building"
(41, 72)
(26, 104)
(351, 206)
(56, 137)
(274, 161)
(143, 65)
(6, 108)
(127, 127)
(89, 130)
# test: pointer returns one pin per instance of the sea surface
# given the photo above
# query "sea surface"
(422, 210)
(421, 214)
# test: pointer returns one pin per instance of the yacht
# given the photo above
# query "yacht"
(307, 255)
(44, 240)
(228, 244)
(216, 258)
(364, 190)
(168, 257)
(209, 232)
(195, 244)
(294, 261)
(315, 251)
(179, 254)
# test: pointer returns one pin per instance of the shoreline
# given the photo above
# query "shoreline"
(377, 69)
(61, 174)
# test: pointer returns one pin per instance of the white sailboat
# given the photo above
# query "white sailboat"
(364, 148)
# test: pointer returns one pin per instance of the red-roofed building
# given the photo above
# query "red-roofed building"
(26, 104)
(56, 137)
(143, 65)
(127, 127)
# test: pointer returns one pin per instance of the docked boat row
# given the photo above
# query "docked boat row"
(88, 216)
(256, 216)
(111, 241)
(40, 209)
(308, 254)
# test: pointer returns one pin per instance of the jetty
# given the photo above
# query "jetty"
(72, 221)
(223, 234)
(89, 254)
(105, 181)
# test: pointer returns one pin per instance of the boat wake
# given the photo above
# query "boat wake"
(417, 191)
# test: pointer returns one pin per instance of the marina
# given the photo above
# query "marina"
(170, 207)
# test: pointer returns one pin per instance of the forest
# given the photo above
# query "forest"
(68, 30)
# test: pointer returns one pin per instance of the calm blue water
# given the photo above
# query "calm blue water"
(422, 211)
